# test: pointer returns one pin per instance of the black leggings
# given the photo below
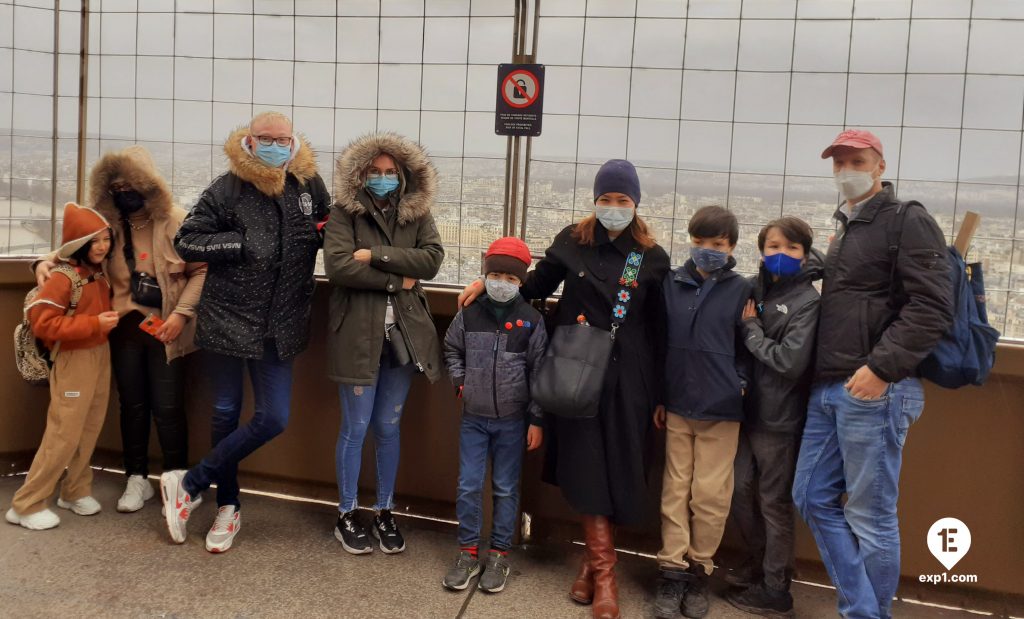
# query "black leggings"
(145, 383)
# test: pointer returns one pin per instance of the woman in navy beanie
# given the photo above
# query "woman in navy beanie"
(612, 270)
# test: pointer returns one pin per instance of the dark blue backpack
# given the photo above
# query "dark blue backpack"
(966, 353)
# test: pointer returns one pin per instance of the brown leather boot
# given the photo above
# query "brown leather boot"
(582, 590)
(601, 550)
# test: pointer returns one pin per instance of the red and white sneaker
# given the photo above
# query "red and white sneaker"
(224, 529)
(178, 505)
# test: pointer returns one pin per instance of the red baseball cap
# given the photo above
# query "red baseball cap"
(855, 138)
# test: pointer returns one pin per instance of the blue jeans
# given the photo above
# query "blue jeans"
(856, 446)
(503, 439)
(378, 405)
(272, 393)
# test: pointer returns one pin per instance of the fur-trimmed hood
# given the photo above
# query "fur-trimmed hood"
(133, 165)
(417, 174)
(269, 181)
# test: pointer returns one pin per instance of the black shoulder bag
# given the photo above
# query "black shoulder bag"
(145, 288)
(571, 373)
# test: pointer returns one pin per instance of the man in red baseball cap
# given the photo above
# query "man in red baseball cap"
(883, 309)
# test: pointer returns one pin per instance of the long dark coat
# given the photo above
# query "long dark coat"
(601, 463)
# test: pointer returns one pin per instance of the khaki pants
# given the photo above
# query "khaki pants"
(696, 490)
(79, 389)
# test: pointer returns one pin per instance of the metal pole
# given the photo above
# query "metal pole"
(506, 223)
(529, 140)
(83, 99)
(56, 107)
(514, 198)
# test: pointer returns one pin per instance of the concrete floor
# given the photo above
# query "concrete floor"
(286, 563)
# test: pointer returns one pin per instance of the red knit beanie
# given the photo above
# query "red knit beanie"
(508, 255)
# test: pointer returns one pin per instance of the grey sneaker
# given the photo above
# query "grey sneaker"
(495, 573)
(458, 576)
(671, 589)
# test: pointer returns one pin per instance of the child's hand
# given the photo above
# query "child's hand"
(534, 437)
(659, 417)
(108, 320)
(749, 310)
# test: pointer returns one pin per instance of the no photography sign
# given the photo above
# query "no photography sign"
(519, 107)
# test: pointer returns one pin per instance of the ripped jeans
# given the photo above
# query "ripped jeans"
(380, 406)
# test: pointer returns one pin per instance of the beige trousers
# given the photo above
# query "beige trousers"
(696, 490)
(79, 390)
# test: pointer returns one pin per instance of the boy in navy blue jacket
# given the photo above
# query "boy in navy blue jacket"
(492, 350)
(706, 376)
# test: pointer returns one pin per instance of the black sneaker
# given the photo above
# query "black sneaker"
(458, 576)
(671, 589)
(760, 600)
(695, 602)
(495, 573)
(352, 535)
(387, 533)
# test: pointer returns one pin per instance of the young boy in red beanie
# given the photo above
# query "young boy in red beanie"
(492, 349)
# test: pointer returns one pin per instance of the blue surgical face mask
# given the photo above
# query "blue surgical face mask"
(381, 186)
(501, 290)
(782, 265)
(708, 260)
(273, 155)
(614, 218)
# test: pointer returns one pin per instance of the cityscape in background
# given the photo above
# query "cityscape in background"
(717, 102)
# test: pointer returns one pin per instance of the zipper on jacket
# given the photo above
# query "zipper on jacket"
(494, 372)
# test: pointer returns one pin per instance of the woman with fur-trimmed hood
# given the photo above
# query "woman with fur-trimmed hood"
(258, 228)
(147, 277)
(380, 242)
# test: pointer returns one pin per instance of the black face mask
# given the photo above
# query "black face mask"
(129, 201)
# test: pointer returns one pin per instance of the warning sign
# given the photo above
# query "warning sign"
(520, 102)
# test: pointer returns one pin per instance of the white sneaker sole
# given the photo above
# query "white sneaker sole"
(465, 585)
(380, 544)
(61, 503)
(349, 549)
(498, 590)
(169, 484)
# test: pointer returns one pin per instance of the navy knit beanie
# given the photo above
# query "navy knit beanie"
(618, 176)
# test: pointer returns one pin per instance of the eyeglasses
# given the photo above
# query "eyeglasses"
(267, 140)
(378, 174)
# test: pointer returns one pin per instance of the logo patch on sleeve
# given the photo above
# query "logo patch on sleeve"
(72, 394)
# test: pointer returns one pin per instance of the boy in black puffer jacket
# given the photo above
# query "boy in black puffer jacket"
(780, 324)
(492, 349)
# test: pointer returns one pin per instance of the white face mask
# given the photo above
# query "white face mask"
(614, 218)
(500, 290)
(853, 184)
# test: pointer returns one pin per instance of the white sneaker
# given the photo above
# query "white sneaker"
(85, 506)
(196, 502)
(224, 529)
(38, 521)
(178, 504)
(136, 493)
